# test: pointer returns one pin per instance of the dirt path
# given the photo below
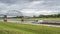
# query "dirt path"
(44, 24)
(47, 25)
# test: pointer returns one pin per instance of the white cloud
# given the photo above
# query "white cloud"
(37, 2)
(31, 7)
(32, 4)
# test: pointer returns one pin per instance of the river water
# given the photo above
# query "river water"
(30, 21)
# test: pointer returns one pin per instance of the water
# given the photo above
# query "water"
(30, 21)
(12, 20)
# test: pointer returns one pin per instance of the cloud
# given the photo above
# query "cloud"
(34, 3)
(31, 7)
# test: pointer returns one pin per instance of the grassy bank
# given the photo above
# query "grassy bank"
(46, 18)
(36, 18)
(15, 28)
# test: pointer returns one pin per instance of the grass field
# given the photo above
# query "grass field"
(47, 18)
(37, 18)
(15, 28)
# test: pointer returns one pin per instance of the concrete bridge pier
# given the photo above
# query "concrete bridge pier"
(5, 18)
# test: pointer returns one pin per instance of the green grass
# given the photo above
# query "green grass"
(45, 18)
(16, 28)
(38, 18)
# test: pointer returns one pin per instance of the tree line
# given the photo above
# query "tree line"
(48, 16)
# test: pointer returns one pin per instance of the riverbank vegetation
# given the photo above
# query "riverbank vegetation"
(17, 28)
(48, 16)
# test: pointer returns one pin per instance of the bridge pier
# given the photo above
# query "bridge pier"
(22, 20)
(5, 18)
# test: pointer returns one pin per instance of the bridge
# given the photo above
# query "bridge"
(12, 13)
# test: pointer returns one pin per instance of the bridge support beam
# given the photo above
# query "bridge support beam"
(5, 18)
(22, 20)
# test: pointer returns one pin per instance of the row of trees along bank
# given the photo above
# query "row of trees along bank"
(48, 16)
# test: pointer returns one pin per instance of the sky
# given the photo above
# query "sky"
(30, 7)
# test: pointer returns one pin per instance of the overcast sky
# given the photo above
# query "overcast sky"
(30, 7)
